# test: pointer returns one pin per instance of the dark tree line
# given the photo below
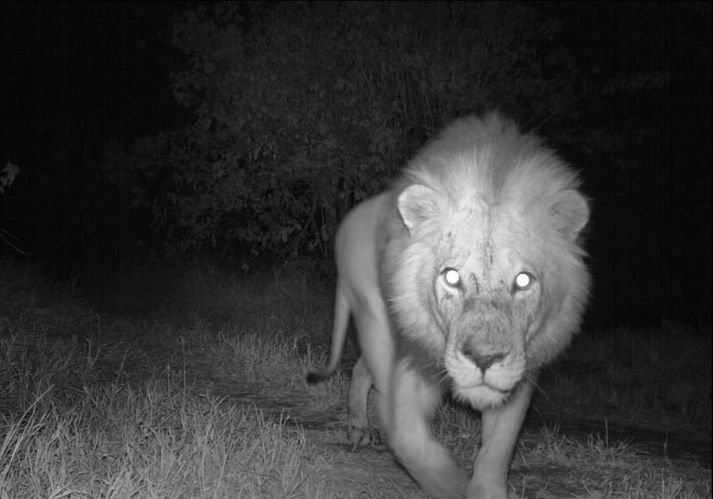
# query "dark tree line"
(303, 109)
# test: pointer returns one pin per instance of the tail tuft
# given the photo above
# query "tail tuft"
(315, 377)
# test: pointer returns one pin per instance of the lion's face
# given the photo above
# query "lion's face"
(481, 274)
(486, 295)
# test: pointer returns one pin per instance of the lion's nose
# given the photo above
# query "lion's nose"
(482, 360)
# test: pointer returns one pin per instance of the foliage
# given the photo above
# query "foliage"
(7, 176)
(303, 109)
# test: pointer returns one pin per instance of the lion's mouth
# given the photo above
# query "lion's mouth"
(496, 389)
(481, 384)
(482, 395)
(490, 387)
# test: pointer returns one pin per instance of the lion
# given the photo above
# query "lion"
(467, 275)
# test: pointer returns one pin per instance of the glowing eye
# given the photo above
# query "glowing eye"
(523, 281)
(451, 277)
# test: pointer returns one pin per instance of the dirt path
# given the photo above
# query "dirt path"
(373, 472)
(350, 471)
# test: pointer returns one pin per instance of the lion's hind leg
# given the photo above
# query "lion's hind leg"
(428, 461)
(372, 370)
(359, 432)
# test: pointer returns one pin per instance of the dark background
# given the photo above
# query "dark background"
(78, 76)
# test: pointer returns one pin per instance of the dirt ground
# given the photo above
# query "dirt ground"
(375, 466)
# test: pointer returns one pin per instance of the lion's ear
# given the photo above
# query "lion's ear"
(572, 213)
(417, 203)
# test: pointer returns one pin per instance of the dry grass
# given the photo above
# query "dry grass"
(145, 396)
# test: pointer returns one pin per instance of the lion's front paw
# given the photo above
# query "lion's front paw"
(363, 436)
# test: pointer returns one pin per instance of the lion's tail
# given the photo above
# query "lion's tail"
(339, 334)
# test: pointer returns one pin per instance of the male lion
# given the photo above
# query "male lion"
(467, 275)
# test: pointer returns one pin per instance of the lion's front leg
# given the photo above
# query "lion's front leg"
(501, 426)
(413, 401)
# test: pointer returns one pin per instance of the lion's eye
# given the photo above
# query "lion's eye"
(522, 281)
(451, 277)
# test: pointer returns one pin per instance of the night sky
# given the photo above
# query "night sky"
(77, 76)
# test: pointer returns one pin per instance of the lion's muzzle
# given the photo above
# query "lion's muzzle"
(485, 352)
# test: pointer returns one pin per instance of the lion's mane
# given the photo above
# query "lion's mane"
(477, 162)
